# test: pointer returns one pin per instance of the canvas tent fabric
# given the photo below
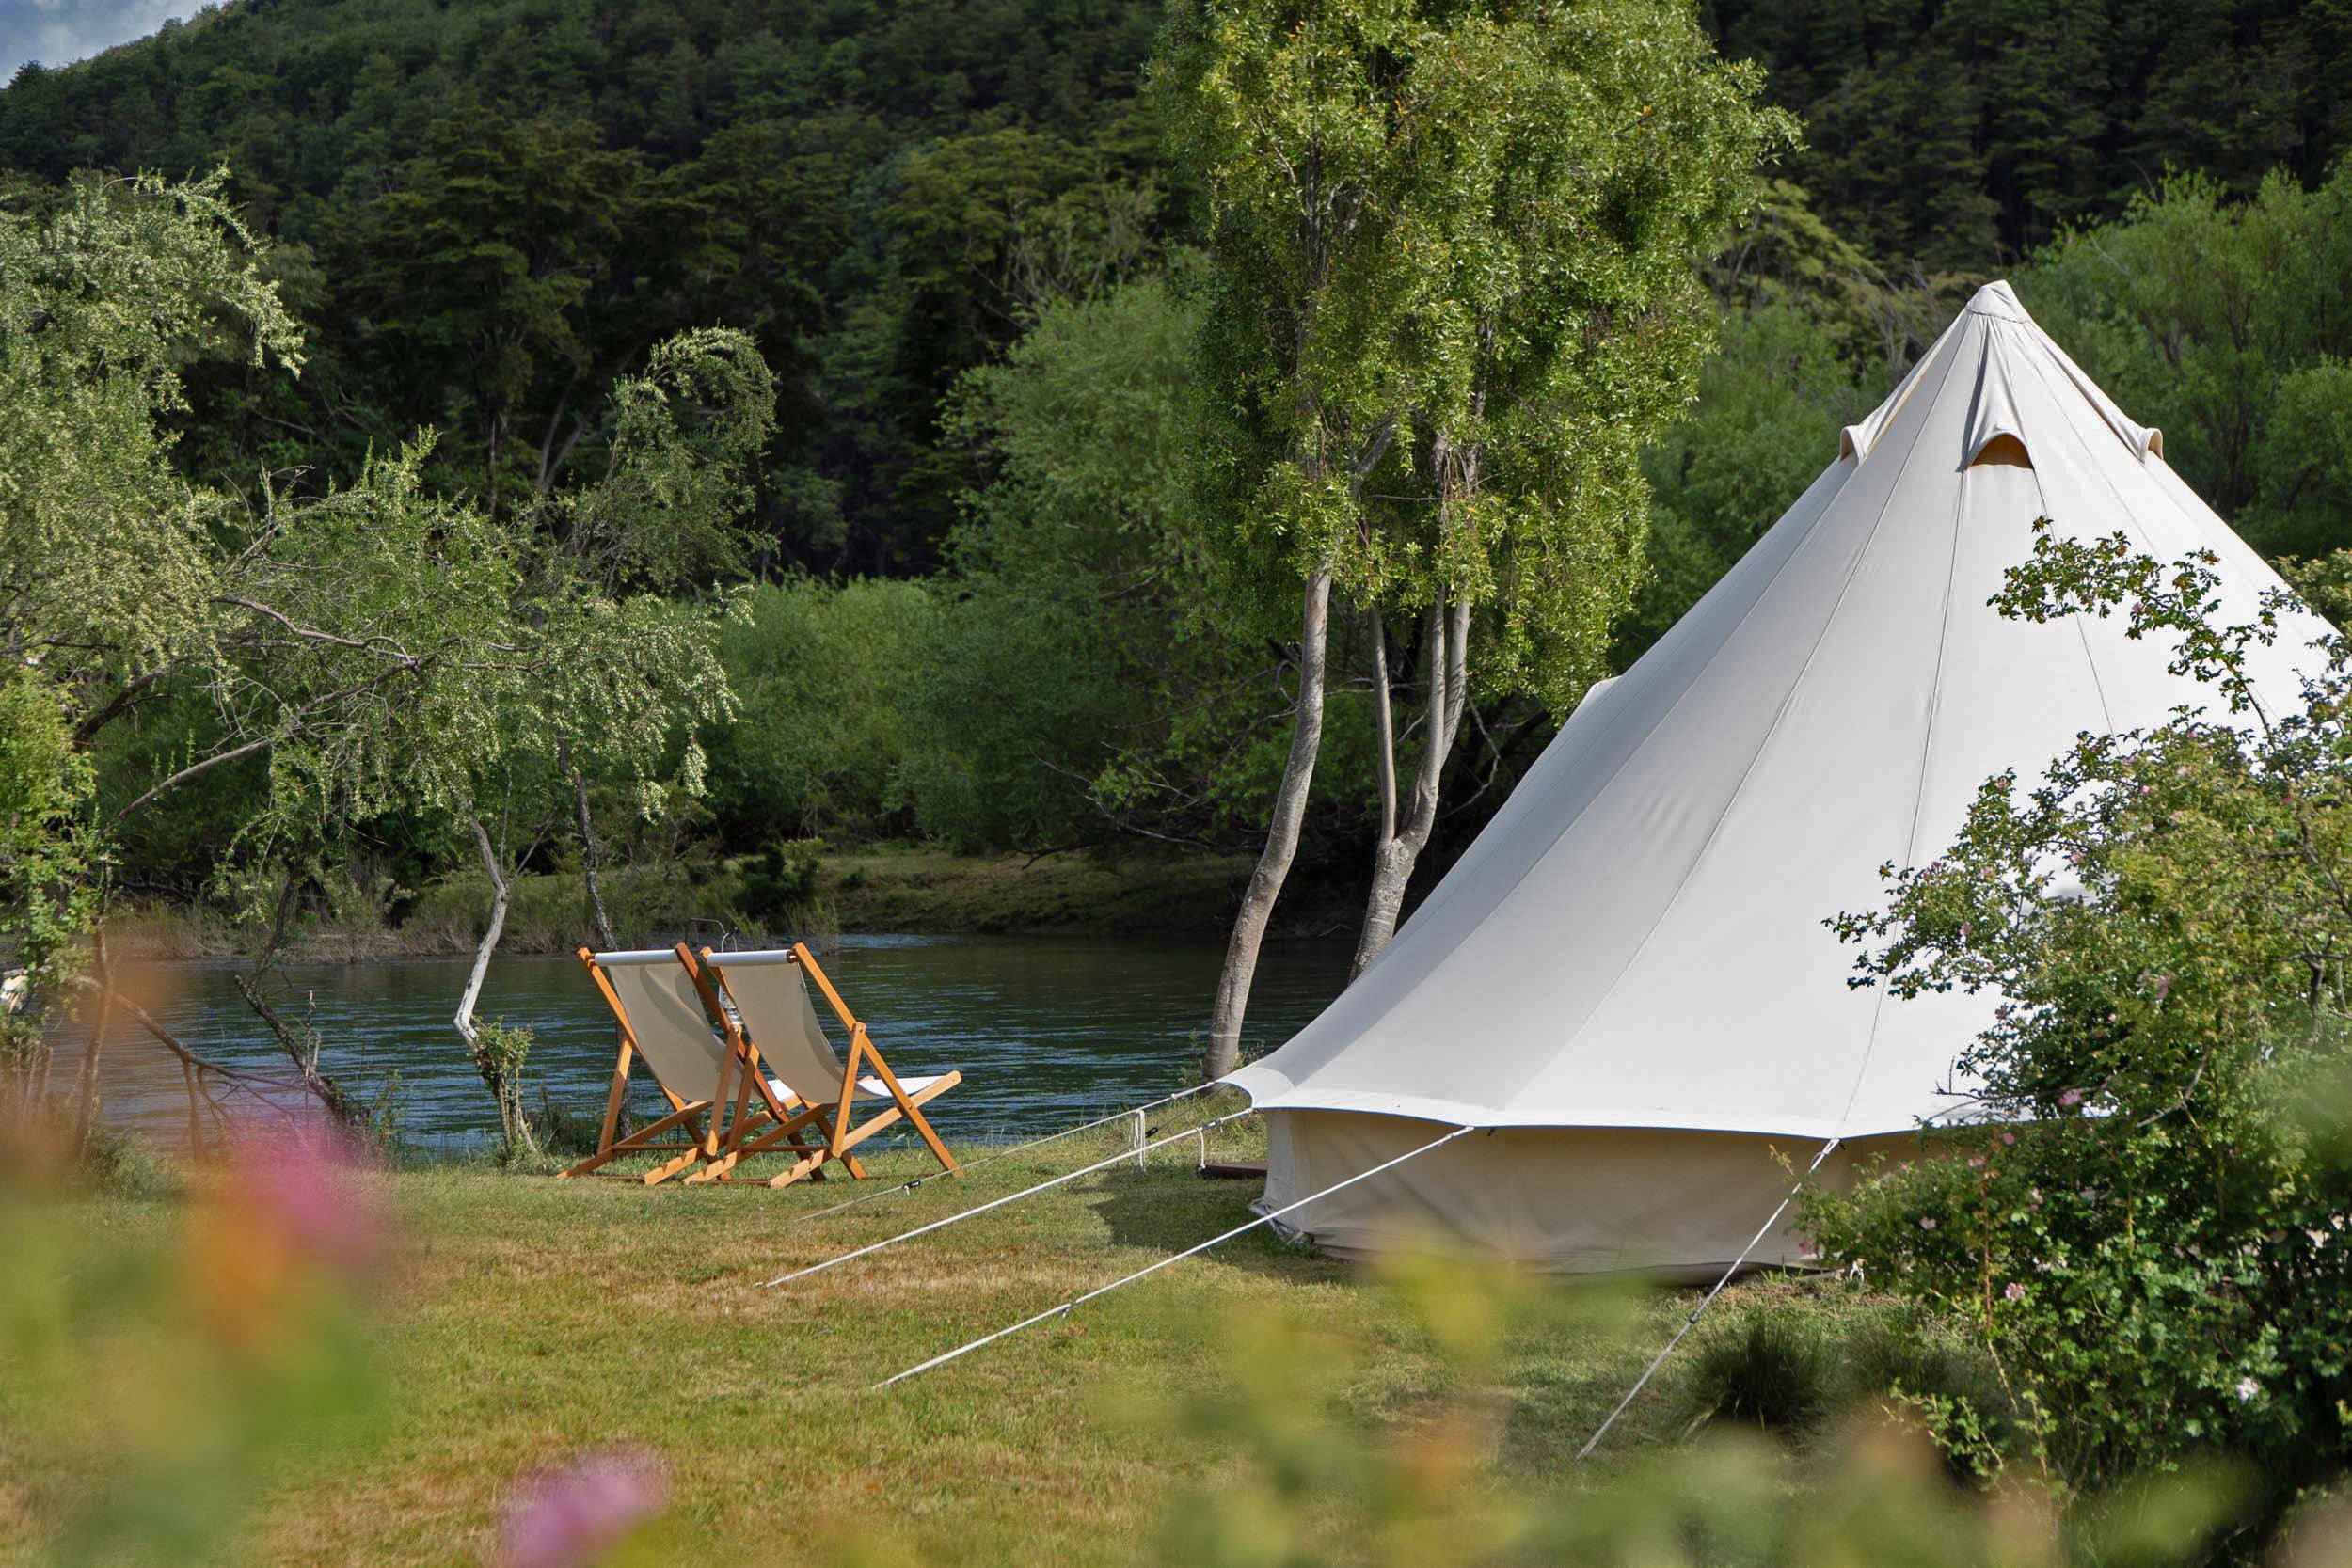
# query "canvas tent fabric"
(1627, 978)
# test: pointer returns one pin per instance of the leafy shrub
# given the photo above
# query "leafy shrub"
(123, 1164)
(1800, 1371)
(2148, 1236)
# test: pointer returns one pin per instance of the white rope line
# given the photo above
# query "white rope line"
(1076, 1302)
(1121, 1158)
(1708, 1300)
(971, 1165)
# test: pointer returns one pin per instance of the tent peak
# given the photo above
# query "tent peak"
(1989, 356)
(1998, 299)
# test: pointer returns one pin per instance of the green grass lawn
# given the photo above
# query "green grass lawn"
(519, 1320)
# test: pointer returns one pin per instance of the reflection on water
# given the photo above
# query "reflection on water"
(1044, 1029)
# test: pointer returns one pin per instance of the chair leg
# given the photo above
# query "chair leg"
(639, 1141)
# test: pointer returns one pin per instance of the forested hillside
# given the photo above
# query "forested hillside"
(488, 209)
(1962, 134)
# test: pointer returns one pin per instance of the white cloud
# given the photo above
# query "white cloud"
(58, 32)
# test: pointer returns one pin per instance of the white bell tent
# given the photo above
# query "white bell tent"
(1626, 983)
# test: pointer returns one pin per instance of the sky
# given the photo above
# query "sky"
(58, 32)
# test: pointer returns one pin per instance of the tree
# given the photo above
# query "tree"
(1455, 249)
(2229, 325)
(374, 647)
(1286, 114)
(1570, 164)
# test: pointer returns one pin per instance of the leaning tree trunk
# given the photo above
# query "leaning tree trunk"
(492, 1065)
(1400, 847)
(1282, 843)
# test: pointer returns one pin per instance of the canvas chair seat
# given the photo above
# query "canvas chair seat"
(760, 1002)
(663, 1023)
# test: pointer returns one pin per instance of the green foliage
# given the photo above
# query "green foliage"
(1957, 134)
(824, 675)
(104, 297)
(1097, 669)
(45, 854)
(487, 211)
(669, 512)
(1764, 425)
(2146, 1230)
(2229, 325)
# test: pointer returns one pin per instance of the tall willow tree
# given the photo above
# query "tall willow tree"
(1451, 254)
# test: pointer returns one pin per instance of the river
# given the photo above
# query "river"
(1045, 1030)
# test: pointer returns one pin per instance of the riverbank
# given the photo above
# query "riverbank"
(868, 890)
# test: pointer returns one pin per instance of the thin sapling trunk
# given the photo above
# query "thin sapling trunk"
(1402, 842)
(1281, 844)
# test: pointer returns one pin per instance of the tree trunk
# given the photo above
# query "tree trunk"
(1400, 847)
(1281, 844)
(590, 852)
(303, 1051)
(503, 1088)
(86, 1091)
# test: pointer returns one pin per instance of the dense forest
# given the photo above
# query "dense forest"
(982, 612)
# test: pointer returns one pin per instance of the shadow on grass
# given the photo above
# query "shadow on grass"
(1168, 1212)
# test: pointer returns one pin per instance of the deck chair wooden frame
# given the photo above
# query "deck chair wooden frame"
(697, 1119)
(814, 1131)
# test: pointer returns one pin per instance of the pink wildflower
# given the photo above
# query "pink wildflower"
(1976, 1162)
(2008, 1139)
(2016, 1291)
(1928, 1223)
(2071, 1098)
(576, 1515)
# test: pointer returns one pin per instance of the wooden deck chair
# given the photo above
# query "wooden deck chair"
(803, 1084)
(659, 1010)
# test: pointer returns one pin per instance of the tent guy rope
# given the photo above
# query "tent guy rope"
(971, 1165)
(1076, 1302)
(1705, 1301)
(1121, 1158)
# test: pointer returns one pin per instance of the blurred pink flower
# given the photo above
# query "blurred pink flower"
(2071, 1098)
(1976, 1162)
(309, 1181)
(2016, 1291)
(576, 1515)
(2009, 1138)
(1928, 1223)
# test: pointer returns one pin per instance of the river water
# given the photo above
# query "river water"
(1046, 1030)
